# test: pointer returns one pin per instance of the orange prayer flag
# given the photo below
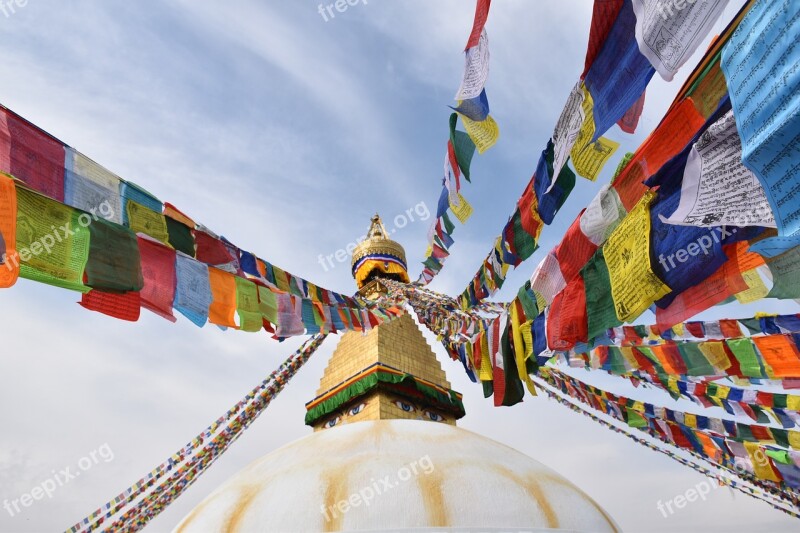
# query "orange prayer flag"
(223, 290)
(666, 141)
(9, 263)
(718, 287)
(780, 352)
(176, 214)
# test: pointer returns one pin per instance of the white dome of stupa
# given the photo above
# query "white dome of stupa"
(396, 475)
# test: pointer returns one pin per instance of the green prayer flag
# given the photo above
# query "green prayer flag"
(114, 263)
(247, 306)
(615, 361)
(524, 243)
(696, 362)
(748, 360)
(528, 301)
(52, 241)
(786, 275)
(463, 147)
(449, 227)
(268, 304)
(635, 419)
(180, 237)
(600, 310)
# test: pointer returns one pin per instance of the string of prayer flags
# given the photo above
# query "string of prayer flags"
(523, 228)
(711, 438)
(74, 223)
(481, 133)
(460, 150)
(610, 91)
(760, 66)
(770, 495)
(773, 356)
(185, 465)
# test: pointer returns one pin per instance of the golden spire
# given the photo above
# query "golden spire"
(389, 372)
(378, 256)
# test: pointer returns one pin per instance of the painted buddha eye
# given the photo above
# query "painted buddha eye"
(407, 407)
(357, 409)
(332, 422)
(436, 417)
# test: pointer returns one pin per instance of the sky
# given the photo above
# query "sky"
(285, 132)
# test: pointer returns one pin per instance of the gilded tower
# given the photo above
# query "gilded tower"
(390, 372)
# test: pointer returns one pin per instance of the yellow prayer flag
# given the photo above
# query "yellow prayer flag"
(761, 462)
(793, 402)
(714, 351)
(485, 373)
(484, 133)
(590, 160)
(587, 128)
(519, 349)
(463, 210)
(634, 285)
(756, 289)
(630, 359)
(144, 220)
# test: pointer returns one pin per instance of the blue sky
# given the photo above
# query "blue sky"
(285, 133)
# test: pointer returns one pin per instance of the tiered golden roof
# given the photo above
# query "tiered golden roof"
(390, 372)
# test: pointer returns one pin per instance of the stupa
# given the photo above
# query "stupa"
(386, 454)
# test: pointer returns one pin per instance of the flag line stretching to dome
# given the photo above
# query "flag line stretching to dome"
(194, 458)
(702, 214)
(723, 480)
